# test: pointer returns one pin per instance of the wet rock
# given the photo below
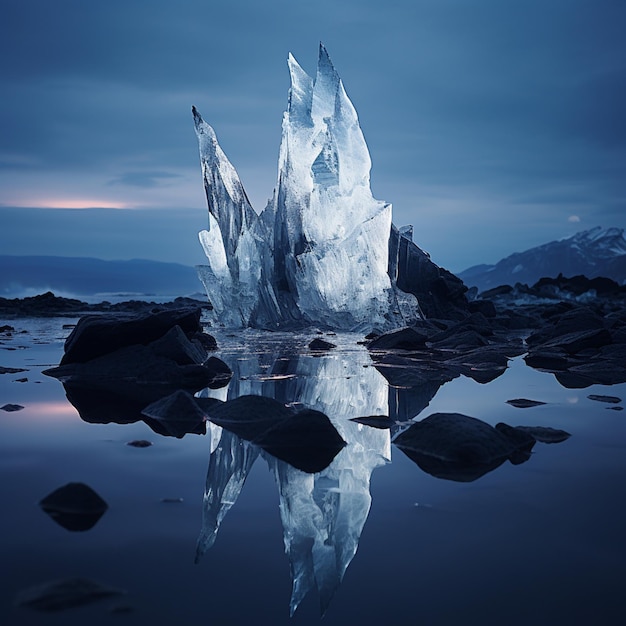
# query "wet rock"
(21, 380)
(220, 374)
(401, 339)
(58, 595)
(139, 443)
(457, 447)
(305, 439)
(11, 370)
(75, 506)
(615, 408)
(207, 341)
(174, 345)
(375, 421)
(320, 345)
(524, 403)
(545, 434)
(7, 329)
(97, 335)
(11, 407)
(608, 399)
(137, 373)
(176, 415)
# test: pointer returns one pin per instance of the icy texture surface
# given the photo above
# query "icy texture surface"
(319, 252)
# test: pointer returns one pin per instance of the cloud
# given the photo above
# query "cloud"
(574, 219)
(145, 180)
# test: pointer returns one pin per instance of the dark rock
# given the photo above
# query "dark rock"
(607, 399)
(375, 421)
(575, 342)
(320, 345)
(21, 380)
(137, 372)
(544, 434)
(177, 415)
(615, 408)
(523, 403)
(139, 443)
(305, 439)
(11, 407)
(11, 370)
(67, 593)
(74, 506)
(439, 292)
(207, 341)
(7, 329)
(462, 341)
(486, 307)
(401, 339)
(482, 365)
(249, 416)
(521, 440)
(550, 360)
(174, 345)
(456, 447)
(97, 335)
(220, 374)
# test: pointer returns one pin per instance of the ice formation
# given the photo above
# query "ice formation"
(319, 252)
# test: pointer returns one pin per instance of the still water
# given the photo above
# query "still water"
(212, 530)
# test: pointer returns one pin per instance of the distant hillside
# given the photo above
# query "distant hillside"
(87, 276)
(595, 252)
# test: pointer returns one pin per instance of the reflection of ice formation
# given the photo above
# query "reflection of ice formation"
(323, 514)
(319, 252)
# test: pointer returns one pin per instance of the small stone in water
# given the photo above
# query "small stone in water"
(139, 443)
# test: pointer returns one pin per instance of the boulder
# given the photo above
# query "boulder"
(458, 447)
(97, 335)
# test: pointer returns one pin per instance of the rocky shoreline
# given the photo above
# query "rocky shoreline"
(49, 305)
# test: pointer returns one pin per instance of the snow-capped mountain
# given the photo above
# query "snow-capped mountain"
(595, 252)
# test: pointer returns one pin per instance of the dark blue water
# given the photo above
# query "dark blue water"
(542, 542)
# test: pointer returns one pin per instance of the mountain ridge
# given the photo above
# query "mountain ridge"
(592, 253)
(89, 275)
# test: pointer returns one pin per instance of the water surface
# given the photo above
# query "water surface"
(541, 542)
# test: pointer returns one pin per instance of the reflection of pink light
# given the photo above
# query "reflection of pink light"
(56, 409)
(73, 204)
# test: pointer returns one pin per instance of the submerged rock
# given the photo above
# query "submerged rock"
(524, 403)
(58, 595)
(74, 506)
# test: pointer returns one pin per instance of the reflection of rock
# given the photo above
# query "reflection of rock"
(67, 593)
(74, 506)
(114, 366)
(456, 447)
(470, 347)
(580, 346)
(176, 415)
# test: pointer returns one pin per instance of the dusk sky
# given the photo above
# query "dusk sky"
(493, 126)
